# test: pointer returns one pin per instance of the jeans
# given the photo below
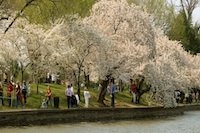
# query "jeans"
(113, 100)
(49, 99)
(17, 100)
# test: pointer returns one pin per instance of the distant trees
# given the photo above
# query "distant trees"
(182, 29)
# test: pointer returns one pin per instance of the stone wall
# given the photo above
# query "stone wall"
(56, 116)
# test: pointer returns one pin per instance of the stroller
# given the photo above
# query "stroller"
(74, 101)
(44, 104)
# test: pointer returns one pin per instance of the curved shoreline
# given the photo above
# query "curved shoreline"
(59, 116)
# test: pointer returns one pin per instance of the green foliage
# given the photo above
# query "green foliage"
(49, 10)
(178, 30)
(182, 30)
(194, 39)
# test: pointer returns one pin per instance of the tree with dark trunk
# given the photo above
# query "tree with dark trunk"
(87, 79)
(141, 88)
(103, 91)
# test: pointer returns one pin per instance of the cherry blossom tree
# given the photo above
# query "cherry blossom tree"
(139, 50)
(25, 45)
(132, 35)
(75, 46)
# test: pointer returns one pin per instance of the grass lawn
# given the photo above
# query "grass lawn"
(122, 99)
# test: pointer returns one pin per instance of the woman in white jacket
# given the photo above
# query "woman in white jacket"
(86, 96)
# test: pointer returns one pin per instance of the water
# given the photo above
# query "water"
(188, 123)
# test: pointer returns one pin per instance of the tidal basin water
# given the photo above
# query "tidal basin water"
(188, 123)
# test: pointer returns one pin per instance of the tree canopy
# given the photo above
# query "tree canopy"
(116, 39)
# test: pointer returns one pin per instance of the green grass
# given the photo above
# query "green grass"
(122, 99)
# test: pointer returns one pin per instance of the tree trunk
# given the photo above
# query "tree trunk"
(87, 79)
(75, 77)
(120, 85)
(37, 84)
(141, 90)
(78, 83)
(103, 91)
(22, 76)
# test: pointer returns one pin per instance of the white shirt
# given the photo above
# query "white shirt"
(72, 89)
(86, 94)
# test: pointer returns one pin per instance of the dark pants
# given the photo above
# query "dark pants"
(24, 95)
(113, 100)
(2, 100)
(68, 101)
(10, 101)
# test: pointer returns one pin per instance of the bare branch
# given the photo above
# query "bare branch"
(1, 1)
(18, 14)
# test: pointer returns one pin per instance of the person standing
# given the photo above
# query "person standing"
(53, 78)
(49, 99)
(86, 96)
(1, 94)
(68, 93)
(48, 77)
(24, 91)
(72, 89)
(10, 89)
(133, 90)
(18, 95)
(108, 88)
(112, 94)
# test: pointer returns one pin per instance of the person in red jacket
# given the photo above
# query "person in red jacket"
(133, 90)
(10, 89)
(18, 95)
(49, 99)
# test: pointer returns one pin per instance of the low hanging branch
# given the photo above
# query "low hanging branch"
(18, 14)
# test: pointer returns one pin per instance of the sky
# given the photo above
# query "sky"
(196, 13)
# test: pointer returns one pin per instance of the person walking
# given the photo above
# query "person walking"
(86, 96)
(112, 94)
(10, 89)
(1, 94)
(49, 99)
(18, 95)
(24, 91)
(68, 93)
